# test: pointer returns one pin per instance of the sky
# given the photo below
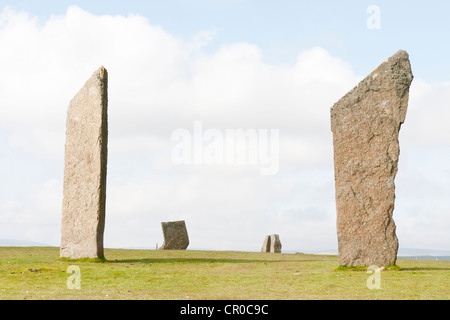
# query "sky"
(186, 75)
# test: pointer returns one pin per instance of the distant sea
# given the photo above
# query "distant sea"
(404, 253)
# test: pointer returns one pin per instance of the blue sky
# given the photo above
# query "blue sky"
(230, 64)
(287, 27)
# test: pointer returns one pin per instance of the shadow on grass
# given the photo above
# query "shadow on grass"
(199, 260)
(425, 269)
(392, 268)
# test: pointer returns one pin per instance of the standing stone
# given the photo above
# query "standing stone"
(175, 235)
(275, 244)
(266, 245)
(84, 194)
(272, 244)
(365, 125)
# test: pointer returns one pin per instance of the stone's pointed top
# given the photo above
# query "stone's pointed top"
(400, 54)
(102, 72)
(393, 74)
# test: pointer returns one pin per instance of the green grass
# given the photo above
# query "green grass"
(39, 273)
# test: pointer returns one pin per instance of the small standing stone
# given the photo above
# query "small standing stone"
(266, 245)
(175, 235)
(272, 244)
(84, 190)
(365, 125)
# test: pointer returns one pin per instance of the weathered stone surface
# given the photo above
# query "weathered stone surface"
(365, 125)
(175, 235)
(272, 244)
(84, 194)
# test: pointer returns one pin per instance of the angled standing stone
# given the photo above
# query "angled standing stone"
(272, 244)
(175, 235)
(365, 125)
(84, 194)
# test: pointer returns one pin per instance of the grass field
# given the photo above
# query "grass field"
(39, 273)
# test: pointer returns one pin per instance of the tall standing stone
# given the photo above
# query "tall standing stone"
(365, 125)
(84, 194)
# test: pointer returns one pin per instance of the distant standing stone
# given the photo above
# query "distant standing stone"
(266, 245)
(365, 125)
(84, 193)
(272, 244)
(175, 235)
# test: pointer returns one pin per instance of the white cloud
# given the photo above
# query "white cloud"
(32, 217)
(159, 83)
(428, 113)
(422, 209)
